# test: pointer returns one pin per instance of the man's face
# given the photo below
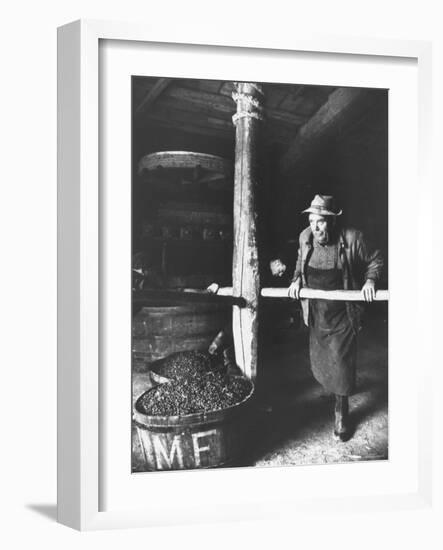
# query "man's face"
(278, 268)
(321, 227)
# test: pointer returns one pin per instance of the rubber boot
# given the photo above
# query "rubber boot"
(341, 427)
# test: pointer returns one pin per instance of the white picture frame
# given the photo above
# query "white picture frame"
(80, 412)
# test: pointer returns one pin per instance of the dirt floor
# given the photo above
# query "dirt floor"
(298, 429)
(294, 421)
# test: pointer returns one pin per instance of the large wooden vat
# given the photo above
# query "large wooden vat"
(199, 440)
(184, 216)
(160, 330)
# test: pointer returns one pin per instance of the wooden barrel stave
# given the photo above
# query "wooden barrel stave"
(161, 330)
(181, 322)
(201, 440)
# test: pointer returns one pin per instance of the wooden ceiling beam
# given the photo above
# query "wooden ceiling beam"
(189, 127)
(342, 105)
(194, 118)
(153, 94)
(170, 107)
(186, 96)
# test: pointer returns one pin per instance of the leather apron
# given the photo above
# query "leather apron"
(332, 342)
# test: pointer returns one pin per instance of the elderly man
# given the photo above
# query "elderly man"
(331, 257)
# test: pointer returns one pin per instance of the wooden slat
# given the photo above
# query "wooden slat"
(341, 104)
(202, 102)
(187, 125)
(187, 296)
(217, 102)
(171, 115)
(189, 217)
(167, 104)
(211, 86)
(153, 94)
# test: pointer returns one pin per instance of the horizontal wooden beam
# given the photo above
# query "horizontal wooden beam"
(219, 107)
(185, 126)
(157, 296)
(216, 102)
(194, 108)
(340, 106)
(224, 295)
(337, 295)
(170, 116)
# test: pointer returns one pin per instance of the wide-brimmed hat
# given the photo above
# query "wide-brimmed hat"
(323, 205)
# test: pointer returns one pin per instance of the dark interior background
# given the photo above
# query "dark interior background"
(350, 162)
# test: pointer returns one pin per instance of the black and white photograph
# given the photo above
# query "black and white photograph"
(230, 215)
(259, 274)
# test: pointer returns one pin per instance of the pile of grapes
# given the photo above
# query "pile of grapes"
(184, 365)
(195, 385)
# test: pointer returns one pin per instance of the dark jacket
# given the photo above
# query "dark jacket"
(358, 261)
